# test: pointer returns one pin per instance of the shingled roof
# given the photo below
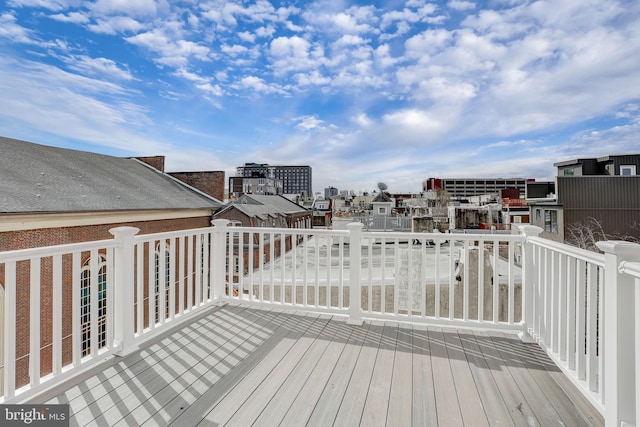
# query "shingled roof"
(39, 178)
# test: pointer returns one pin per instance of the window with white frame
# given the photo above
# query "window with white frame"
(627, 170)
(85, 305)
(162, 269)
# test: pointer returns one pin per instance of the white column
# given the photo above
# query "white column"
(123, 292)
(617, 344)
(355, 264)
(219, 254)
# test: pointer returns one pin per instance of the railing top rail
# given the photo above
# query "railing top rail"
(269, 230)
(563, 248)
(45, 251)
(446, 236)
(171, 234)
(630, 268)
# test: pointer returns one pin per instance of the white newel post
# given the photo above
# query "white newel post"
(123, 292)
(218, 247)
(355, 263)
(618, 337)
(529, 276)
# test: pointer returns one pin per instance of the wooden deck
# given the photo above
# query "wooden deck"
(241, 366)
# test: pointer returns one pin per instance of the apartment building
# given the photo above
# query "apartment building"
(469, 187)
(600, 195)
(295, 179)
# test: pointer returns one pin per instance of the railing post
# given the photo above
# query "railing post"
(218, 248)
(617, 344)
(123, 290)
(528, 277)
(355, 263)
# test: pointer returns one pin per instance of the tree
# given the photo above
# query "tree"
(586, 234)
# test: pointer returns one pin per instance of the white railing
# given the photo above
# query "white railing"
(400, 276)
(563, 312)
(69, 307)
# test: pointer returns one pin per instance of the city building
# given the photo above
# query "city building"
(254, 210)
(295, 179)
(239, 185)
(330, 192)
(597, 196)
(468, 187)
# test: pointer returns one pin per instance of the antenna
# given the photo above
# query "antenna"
(382, 186)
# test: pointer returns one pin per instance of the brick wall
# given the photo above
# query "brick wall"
(153, 161)
(211, 183)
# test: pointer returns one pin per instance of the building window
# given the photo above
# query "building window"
(568, 172)
(551, 221)
(162, 269)
(538, 214)
(85, 305)
(627, 170)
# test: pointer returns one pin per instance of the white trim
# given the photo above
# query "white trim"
(36, 221)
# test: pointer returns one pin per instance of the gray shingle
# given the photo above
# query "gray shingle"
(38, 178)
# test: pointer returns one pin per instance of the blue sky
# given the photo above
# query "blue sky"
(392, 91)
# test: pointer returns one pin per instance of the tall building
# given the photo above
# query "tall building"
(468, 187)
(295, 179)
(330, 192)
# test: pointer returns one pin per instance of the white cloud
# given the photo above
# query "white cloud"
(308, 122)
(12, 31)
(175, 53)
(54, 5)
(461, 5)
(72, 17)
(137, 8)
(115, 25)
(259, 85)
(100, 67)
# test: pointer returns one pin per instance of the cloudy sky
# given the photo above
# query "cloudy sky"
(363, 92)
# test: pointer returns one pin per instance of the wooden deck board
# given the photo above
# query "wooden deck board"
(328, 404)
(241, 365)
(447, 404)
(488, 391)
(423, 408)
(471, 406)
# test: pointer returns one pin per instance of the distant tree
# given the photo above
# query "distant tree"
(443, 197)
(586, 234)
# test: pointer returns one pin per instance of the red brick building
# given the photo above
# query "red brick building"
(54, 196)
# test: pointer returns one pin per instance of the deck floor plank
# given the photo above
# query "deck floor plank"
(220, 400)
(423, 408)
(308, 376)
(328, 404)
(447, 404)
(376, 406)
(243, 365)
(537, 398)
(488, 391)
(471, 407)
(350, 412)
(303, 406)
(400, 412)
(263, 394)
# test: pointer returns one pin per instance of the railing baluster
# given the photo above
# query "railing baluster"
(10, 286)
(481, 284)
(571, 313)
(34, 322)
(56, 356)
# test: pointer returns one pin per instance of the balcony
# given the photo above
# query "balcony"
(259, 325)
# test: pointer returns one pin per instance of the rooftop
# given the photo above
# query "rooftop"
(241, 365)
